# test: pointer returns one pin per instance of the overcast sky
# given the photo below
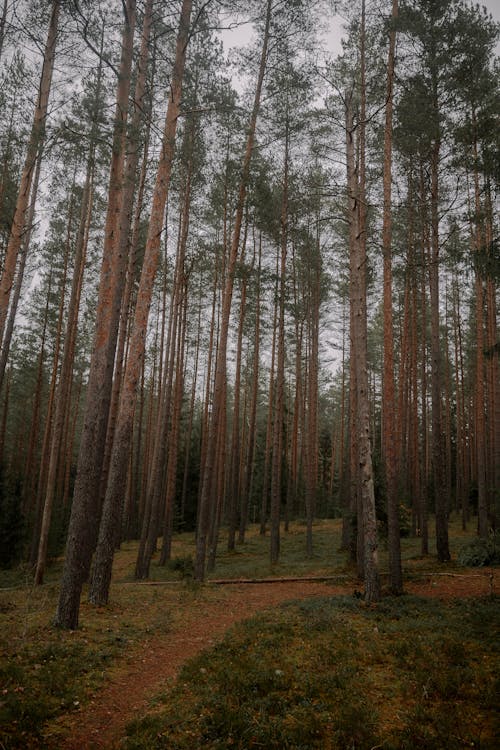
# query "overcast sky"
(333, 38)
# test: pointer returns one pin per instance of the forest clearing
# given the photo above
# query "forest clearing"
(81, 689)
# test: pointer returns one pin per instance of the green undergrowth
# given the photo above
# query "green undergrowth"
(480, 552)
(46, 673)
(333, 673)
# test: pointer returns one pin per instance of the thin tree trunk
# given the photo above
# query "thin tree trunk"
(189, 431)
(210, 472)
(156, 483)
(270, 410)
(252, 421)
(30, 499)
(5, 413)
(440, 499)
(234, 500)
(424, 378)
(3, 21)
(128, 244)
(479, 389)
(173, 440)
(358, 270)
(354, 494)
(9, 329)
(389, 423)
(64, 387)
(277, 444)
(493, 371)
(34, 145)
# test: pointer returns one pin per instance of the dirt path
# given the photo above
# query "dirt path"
(101, 723)
(155, 665)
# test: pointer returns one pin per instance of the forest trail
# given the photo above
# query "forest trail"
(196, 624)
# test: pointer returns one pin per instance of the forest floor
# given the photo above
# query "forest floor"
(198, 625)
(78, 690)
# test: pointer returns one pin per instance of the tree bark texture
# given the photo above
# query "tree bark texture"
(124, 424)
(85, 512)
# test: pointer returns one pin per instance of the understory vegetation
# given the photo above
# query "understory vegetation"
(334, 671)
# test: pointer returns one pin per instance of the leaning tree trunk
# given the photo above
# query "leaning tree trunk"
(4, 354)
(85, 510)
(123, 433)
(128, 249)
(63, 399)
(65, 377)
(35, 141)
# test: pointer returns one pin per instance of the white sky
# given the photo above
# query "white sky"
(333, 38)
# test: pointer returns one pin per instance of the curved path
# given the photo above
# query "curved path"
(155, 664)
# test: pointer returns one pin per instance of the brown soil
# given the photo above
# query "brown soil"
(198, 624)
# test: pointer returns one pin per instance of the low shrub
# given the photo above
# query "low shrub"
(481, 552)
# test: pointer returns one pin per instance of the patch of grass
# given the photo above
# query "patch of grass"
(46, 673)
(251, 559)
(333, 673)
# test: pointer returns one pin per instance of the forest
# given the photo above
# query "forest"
(245, 281)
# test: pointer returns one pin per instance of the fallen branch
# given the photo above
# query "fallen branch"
(288, 579)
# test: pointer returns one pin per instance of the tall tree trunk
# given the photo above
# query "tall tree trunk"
(34, 146)
(424, 376)
(294, 471)
(85, 510)
(389, 422)
(48, 431)
(9, 329)
(29, 498)
(234, 499)
(162, 444)
(252, 420)
(270, 411)
(279, 404)
(210, 472)
(348, 535)
(460, 474)
(173, 438)
(121, 446)
(479, 389)
(358, 271)
(314, 283)
(277, 445)
(128, 243)
(440, 499)
(189, 430)
(62, 401)
(493, 370)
